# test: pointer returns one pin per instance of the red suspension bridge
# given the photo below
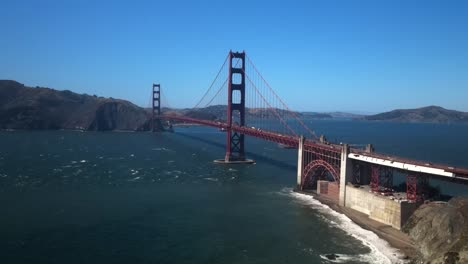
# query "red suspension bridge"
(250, 107)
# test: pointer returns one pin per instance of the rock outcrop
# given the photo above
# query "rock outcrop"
(440, 230)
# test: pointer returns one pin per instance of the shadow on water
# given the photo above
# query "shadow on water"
(256, 157)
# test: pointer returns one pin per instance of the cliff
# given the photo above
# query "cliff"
(24, 107)
(440, 230)
(429, 114)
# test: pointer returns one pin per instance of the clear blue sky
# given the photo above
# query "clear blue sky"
(367, 56)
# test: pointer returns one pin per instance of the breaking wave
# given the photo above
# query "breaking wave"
(380, 251)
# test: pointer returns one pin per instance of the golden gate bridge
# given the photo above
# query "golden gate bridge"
(252, 108)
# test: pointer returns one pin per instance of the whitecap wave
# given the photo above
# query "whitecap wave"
(381, 251)
(211, 179)
(162, 149)
(135, 179)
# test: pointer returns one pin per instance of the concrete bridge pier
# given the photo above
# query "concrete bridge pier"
(346, 171)
(300, 161)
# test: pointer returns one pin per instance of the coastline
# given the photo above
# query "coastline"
(395, 238)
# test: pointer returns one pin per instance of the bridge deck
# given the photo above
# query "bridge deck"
(411, 165)
(376, 158)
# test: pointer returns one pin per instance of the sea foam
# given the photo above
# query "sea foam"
(381, 251)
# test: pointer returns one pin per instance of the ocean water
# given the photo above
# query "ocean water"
(87, 197)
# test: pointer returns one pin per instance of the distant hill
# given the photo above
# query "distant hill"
(330, 115)
(24, 107)
(315, 115)
(219, 112)
(345, 115)
(429, 114)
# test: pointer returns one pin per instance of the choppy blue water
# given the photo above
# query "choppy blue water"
(72, 197)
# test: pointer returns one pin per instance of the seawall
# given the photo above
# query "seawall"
(394, 237)
(381, 208)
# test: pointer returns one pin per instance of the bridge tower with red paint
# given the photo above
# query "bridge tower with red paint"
(235, 146)
(156, 109)
(235, 141)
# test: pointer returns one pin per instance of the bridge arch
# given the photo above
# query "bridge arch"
(313, 168)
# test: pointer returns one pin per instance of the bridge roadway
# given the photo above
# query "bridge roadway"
(442, 171)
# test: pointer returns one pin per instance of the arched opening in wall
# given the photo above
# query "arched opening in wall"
(318, 170)
(236, 97)
(236, 78)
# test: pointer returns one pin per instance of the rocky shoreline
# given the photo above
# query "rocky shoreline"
(437, 233)
(395, 238)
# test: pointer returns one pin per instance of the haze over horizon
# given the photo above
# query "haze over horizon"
(323, 56)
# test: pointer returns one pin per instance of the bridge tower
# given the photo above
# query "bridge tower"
(156, 111)
(236, 108)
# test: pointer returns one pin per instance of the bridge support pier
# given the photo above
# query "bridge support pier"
(416, 187)
(346, 172)
(300, 162)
